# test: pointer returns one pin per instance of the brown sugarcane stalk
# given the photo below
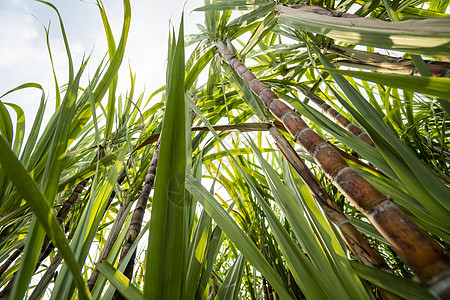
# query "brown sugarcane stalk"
(15, 254)
(384, 63)
(265, 292)
(137, 218)
(412, 243)
(49, 274)
(354, 240)
(335, 115)
(363, 252)
(139, 211)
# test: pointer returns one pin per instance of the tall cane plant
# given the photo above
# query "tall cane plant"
(226, 183)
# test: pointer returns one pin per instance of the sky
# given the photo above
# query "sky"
(24, 55)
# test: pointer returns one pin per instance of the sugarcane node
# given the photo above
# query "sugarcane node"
(133, 234)
(256, 86)
(149, 178)
(267, 96)
(138, 215)
(343, 121)
(327, 157)
(145, 194)
(307, 138)
(411, 242)
(226, 51)
(248, 76)
(277, 107)
(364, 253)
(325, 107)
(353, 129)
(241, 70)
(358, 190)
(293, 123)
(237, 65)
(366, 138)
(152, 169)
(333, 114)
(234, 62)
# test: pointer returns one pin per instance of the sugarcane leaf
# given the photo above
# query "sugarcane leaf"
(66, 42)
(247, 19)
(402, 287)
(20, 127)
(32, 137)
(433, 86)
(430, 36)
(166, 244)
(263, 29)
(304, 272)
(120, 281)
(198, 67)
(233, 5)
(231, 285)
(6, 128)
(51, 174)
(409, 11)
(84, 114)
(112, 89)
(235, 234)
(248, 96)
(197, 253)
(310, 228)
(99, 285)
(110, 291)
(239, 151)
(88, 223)
(6, 132)
(88, 171)
(214, 243)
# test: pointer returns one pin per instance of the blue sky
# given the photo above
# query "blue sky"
(23, 51)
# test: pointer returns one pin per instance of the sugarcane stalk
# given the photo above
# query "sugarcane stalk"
(137, 218)
(335, 115)
(412, 243)
(49, 274)
(11, 258)
(384, 63)
(354, 240)
(363, 252)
